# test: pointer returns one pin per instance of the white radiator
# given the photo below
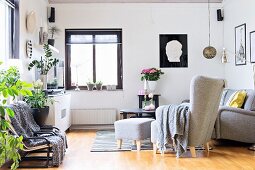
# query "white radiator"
(93, 116)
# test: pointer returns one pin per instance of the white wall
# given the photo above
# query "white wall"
(142, 24)
(238, 12)
(40, 8)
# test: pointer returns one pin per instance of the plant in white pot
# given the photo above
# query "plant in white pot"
(90, 85)
(44, 65)
(99, 85)
(150, 76)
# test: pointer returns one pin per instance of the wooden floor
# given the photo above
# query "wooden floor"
(79, 157)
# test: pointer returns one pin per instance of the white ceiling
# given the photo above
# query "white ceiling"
(134, 1)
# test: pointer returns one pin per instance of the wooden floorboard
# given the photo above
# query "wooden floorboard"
(79, 157)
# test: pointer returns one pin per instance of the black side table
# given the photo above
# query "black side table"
(137, 112)
(155, 99)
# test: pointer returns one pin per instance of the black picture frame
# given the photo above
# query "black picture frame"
(252, 47)
(240, 45)
(176, 40)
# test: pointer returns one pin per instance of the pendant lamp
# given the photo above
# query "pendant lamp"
(209, 52)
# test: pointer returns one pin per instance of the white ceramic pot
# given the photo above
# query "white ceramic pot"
(43, 78)
(152, 85)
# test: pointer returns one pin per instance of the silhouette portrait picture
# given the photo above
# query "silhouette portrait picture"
(173, 50)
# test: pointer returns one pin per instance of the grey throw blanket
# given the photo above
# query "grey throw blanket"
(25, 125)
(173, 126)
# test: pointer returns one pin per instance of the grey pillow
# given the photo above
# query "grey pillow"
(250, 100)
(222, 99)
(227, 95)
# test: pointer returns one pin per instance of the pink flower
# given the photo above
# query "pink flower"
(153, 71)
(145, 71)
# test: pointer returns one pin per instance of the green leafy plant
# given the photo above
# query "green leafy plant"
(38, 99)
(10, 87)
(53, 30)
(46, 63)
(99, 82)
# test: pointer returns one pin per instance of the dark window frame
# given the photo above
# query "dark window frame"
(14, 28)
(93, 32)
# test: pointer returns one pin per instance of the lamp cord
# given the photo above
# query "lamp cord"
(209, 12)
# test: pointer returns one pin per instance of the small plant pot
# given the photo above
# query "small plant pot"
(40, 115)
(99, 86)
(90, 86)
(51, 42)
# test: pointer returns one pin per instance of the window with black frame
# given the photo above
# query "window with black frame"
(9, 29)
(92, 56)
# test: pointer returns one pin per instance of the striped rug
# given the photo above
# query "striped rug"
(105, 142)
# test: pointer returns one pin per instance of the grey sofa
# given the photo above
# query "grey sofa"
(205, 95)
(236, 123)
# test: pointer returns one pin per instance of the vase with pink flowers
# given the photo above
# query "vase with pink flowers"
(150, 76)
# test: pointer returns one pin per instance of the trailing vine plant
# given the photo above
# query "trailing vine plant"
(10, 87)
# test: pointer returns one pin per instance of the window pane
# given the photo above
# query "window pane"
(78, 39)
(106, 63)
(81, 64)
(4, 32)
(106, 39)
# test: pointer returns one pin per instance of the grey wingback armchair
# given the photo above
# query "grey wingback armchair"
(205, 94)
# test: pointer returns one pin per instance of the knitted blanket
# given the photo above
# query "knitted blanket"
(25, 125)
(173, 126)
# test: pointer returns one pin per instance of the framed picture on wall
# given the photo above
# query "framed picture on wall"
(173, 50)
(252, 46)
(240, 45)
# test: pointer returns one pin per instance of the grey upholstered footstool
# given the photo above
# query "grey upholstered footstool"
(135, 129)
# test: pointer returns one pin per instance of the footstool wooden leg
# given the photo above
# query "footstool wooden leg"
(134, 142)
(119, 143)
(155, 148)
(193, 151)
(138, 145)
(207, 147)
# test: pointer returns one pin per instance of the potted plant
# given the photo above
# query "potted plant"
(90, 85)
(53, 84)
(38, 102)
(10, 87)
(150, 76)
(53, 30)
(44, 65)
(98, 85)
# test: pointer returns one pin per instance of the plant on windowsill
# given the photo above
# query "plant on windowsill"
(44, 65)
(53, 30)
(38, 101)
(90, 85)
(99, 85)
(10, 87)
(53, 84)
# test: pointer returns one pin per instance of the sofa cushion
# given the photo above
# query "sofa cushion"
(250, 100)
(237, 99)
(222, 99)
(227, 95)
